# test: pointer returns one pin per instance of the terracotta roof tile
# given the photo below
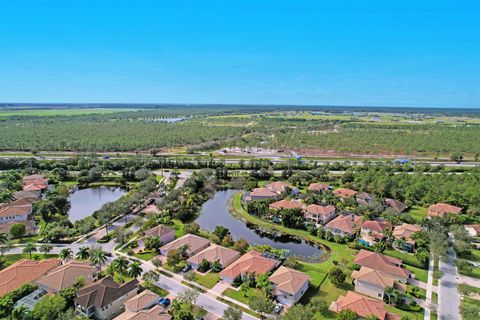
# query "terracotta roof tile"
(286, 204)
(66, 275)
(215, 253)
(363, 306)
(346, 223)
(317, 186)
(380, 262)
(344, 192)
(320, 210)
(440, 209)
(288, 280)
(250, 262)
(103, 292)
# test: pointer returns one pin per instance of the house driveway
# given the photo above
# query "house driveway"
(220, 287)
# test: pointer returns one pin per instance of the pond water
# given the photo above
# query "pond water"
(84, 202)
(215, 212)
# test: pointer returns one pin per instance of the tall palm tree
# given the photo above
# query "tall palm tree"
(120, 264)
(83, 253)
(29, 248)
(98, 257)
(66, 254)
(135, 269)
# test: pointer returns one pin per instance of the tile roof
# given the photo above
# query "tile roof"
(34, 187)
(320, 210)
(346, 223)
(33, 177)
(103, 292)
(317, 186)
(141, 300)
(396, 205)
(475, 227)
(24, 271)
(215, 252)
(194, 242)
(374, 277)
(24, 194)
(279, 186)
(363, 306)
(441, 209)
(155, 313)
(250, 262)
(405, 231)
(286, 204)
(344, 192)
(15, 211)
(159, 231)
(262, 192)
(378, 226)
(66, 275)
(29, 226)
(289, 280)
(380, 262)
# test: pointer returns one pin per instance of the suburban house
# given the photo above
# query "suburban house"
(395, 205)
(344, 193)
(24, 271)
(473, 229)
(441, 209)
(363, 306)
(364, 198)
(385, 264)
(405, 232)
(260, 194)
(252, 262)
(318, 187)
(104, 298)
(286, 204)
(372, 232)
(280, 186)
(194, 243)
(166, 234)
(66, 276)
(144, 306)
(289, 285)
(319, 214)
(18, 210)
(214, 253)
(344, 225)
(30, 227)
(372, 282)
(34, 177)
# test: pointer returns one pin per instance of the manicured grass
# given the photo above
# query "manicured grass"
(415, 313)
(146, 255)
(405, 257)
(208, 280)
(250, 312)
(422, 293)
(237, 295)
(418, 213)
(178, 227)
(188, 284)
(155, 289)
(316, 276)
(12, 258)
(420, 274)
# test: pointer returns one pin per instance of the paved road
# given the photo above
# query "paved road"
(448, 296)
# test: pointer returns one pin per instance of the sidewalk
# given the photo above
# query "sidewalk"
(428, 300)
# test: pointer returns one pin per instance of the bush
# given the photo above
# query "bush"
(104, 239)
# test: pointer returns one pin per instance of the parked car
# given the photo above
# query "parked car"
(164, 302)
(187, 268)
(278, 308)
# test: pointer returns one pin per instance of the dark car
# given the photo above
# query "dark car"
(164, 302)
(187, 268)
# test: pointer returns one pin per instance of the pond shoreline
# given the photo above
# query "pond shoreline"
(270, 227)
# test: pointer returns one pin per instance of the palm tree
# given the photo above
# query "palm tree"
(98, 257)
(29, 248)
(120, 264)
(46, 248)
(83, 253)
(3, 238)
(66, 254)
(135, 269)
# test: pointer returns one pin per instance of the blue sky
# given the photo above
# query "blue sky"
(397, 53)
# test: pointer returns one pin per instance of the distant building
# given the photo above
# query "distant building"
(318, 187)
(166, 235)
(405, 232)
(319, 214)
(261, 194)
(344, 193)
(344, 225)
(286, 204)
(395, 205)
(372, 231)
(194, 243)
(473, 229)
(224, 256)
(364, 198)
(280, 186)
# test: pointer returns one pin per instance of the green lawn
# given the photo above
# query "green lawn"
(405, 257)
(12, 258)
(208, 280)
(420, 274)
(418, 213)
(155, 289)
(237, 295)
(416, 313)
(146, 255)
(422, 293)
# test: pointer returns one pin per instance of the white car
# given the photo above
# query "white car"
(278, 308)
